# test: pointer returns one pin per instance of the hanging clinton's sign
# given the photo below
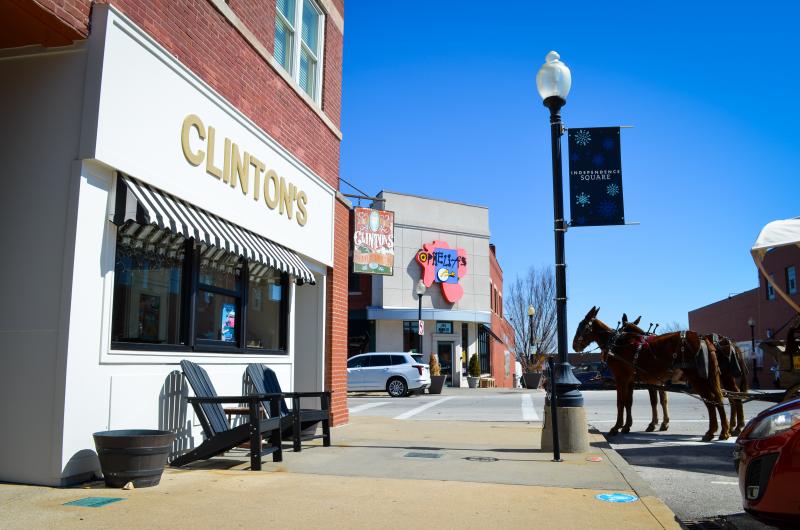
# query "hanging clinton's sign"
(373, 241)
(595, 177)
(443, 265)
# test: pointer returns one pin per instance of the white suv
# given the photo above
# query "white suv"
(397, 373)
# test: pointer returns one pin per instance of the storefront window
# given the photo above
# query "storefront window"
(410, 335)
(147, 290)
(266, 300)
(169, 292)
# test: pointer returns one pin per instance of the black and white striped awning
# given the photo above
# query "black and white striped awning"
(140, 203)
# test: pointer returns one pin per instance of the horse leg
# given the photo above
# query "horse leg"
(628, 406)
(712, 423)
(653, 409)
(739, 417)
(725, 428)
(615, 429)
(662, 395)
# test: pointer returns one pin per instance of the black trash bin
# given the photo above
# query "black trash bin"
(134, 455)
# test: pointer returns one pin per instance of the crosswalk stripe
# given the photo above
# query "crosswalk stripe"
(528, 412)
(415, 411)
(366, 406)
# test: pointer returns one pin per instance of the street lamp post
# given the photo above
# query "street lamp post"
(752, 323)
(420, 290)
(553, 82)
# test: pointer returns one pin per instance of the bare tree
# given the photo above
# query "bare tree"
(670, 327)
(536, 288)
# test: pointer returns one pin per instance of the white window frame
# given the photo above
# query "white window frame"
(298, 45)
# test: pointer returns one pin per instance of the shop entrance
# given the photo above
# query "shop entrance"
(444, 349)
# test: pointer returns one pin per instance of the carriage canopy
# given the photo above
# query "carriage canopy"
(776, 234)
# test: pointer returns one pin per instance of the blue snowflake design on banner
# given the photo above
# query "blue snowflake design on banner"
(582, 199)
(608, 144)
(582, 137)
(612, 189)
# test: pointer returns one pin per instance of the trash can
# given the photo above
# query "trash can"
(133, 455)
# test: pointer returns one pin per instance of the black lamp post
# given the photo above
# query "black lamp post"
(553, 82)
(752, 323)
(420, 290)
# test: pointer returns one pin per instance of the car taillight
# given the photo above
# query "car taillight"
(419, 367)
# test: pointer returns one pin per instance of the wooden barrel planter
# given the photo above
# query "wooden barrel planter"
(134, 455)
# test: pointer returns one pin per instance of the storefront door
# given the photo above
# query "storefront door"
(444, 350)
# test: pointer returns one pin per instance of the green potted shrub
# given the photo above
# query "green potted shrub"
(437, 379)
(473, 371)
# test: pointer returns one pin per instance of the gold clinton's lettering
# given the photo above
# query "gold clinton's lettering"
(192, 121)
(277, 191)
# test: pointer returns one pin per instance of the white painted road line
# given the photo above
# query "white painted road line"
(642, 421)
(528, 412)
(414, 412)
(723, 482)
(366, 406)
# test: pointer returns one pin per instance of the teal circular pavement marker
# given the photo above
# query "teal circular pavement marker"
(617, 497)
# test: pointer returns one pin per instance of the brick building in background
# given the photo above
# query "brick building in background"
(175, 197)
(770, 313)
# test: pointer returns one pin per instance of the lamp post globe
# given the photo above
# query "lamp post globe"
(531, 312)
(554, 81)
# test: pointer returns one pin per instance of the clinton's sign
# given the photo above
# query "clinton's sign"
(443, 265)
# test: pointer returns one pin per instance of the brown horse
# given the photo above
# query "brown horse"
(732, 376)
(656, 396)
(653, 359)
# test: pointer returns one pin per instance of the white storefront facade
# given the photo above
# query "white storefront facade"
(453, 330)
(146, 220)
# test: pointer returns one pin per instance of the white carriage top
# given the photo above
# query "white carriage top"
(776, 234)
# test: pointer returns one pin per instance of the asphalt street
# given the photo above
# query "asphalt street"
(696, 479)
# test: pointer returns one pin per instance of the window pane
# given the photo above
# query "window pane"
(308, 73)
(264, 311)
(286, 8)
(376, 361)
(215, 317)
(310, 28)
(147, 288)
(223, 270)
(283, 45)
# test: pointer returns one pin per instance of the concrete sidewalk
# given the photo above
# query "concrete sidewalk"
(379, 472)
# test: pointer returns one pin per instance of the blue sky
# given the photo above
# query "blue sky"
(440, 99)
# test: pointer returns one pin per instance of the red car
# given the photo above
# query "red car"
(767, 457)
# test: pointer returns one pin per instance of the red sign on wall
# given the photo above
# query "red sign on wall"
(443, 265)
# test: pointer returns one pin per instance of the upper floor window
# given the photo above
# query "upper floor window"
(770, 290)
(301, 58)
(791, 280)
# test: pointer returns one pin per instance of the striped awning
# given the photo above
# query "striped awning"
(142, 204)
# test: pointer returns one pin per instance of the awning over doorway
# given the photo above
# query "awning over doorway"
(488, 330)
(141, 203)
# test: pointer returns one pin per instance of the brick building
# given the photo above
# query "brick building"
(175, 196)
(768, 311)
(384, 309)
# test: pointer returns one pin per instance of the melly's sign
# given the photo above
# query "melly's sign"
(595, 177)
(373, 241)
(444, 265)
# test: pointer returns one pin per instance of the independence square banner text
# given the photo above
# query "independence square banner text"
(595, 177)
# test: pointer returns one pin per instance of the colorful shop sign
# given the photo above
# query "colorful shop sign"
(373, 241)
(443, 265)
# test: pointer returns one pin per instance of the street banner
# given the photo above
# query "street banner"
(373, 241)
(595, 177)
(421, 327)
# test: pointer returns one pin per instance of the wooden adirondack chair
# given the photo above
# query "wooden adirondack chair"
(220, 436)
(293, 421)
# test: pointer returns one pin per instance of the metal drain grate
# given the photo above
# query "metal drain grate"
(705, 524)
(422, 455)
(481, 459)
